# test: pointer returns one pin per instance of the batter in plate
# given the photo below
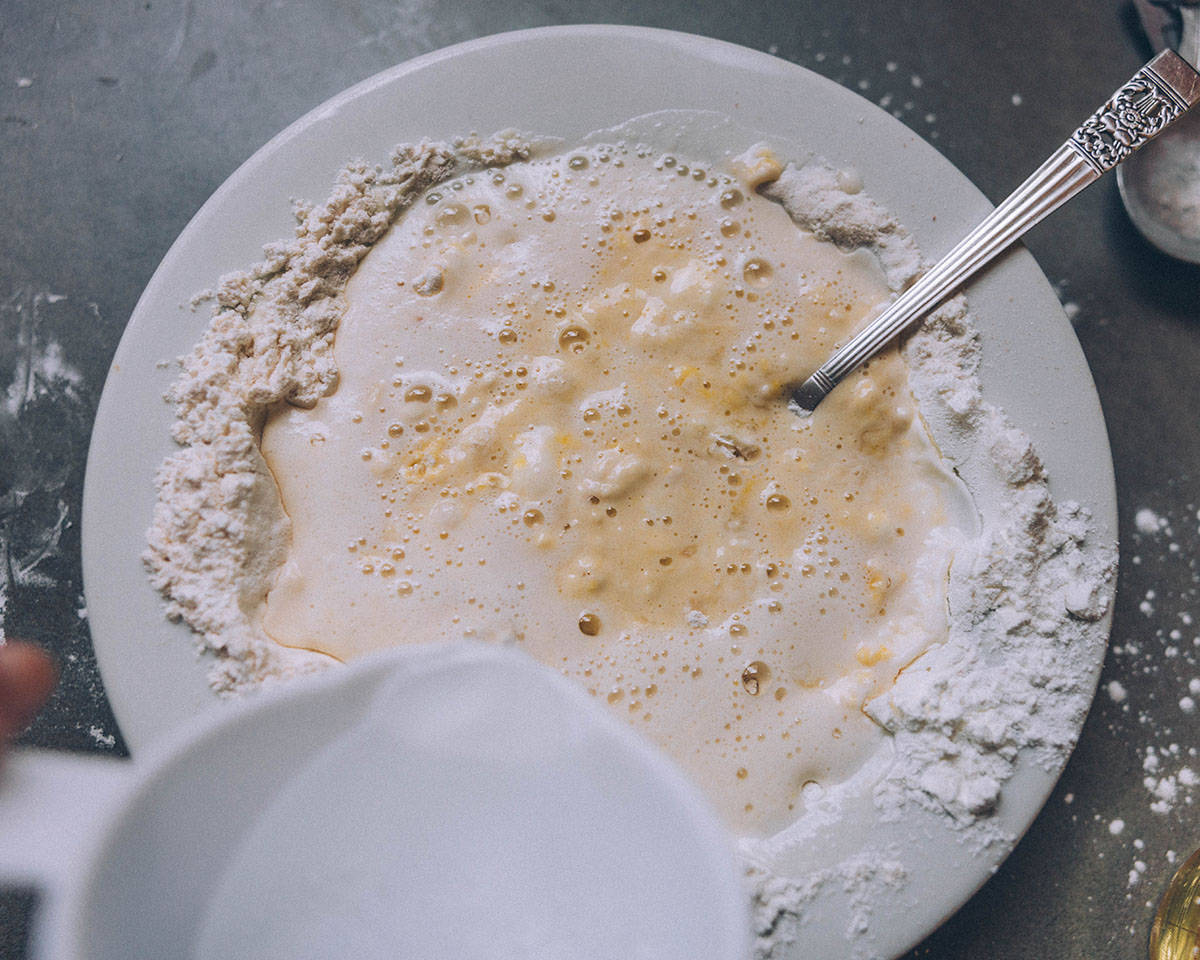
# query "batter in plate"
(560, 424)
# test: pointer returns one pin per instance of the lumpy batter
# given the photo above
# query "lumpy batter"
(560, 423)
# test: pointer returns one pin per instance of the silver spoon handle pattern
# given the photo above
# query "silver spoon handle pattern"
(1155, 96)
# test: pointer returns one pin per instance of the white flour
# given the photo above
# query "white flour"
(219, 531)
(1025, 603)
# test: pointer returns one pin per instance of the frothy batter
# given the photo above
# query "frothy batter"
(560, 423)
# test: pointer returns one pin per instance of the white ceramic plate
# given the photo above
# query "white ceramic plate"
(567, 82)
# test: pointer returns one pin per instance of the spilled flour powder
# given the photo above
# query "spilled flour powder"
(1027, 596)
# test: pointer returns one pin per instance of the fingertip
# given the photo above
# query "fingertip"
(27, 676)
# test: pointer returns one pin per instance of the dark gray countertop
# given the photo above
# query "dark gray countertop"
(117, 120)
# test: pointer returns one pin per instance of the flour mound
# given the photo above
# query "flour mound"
(219, 532)
(1015, 675)
(1016, 671)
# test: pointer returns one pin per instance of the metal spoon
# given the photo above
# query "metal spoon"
(1161, 184)
(1153, 98)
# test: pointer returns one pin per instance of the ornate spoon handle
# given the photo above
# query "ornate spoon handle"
(1157, 94)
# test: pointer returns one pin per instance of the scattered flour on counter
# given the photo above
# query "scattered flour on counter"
(103, 739)
(1168, 789)
(894, 100)
(43, 386)
(1147, 604)
(1027, 601)
(42, 367)
(1158, 661)
(1147, 521)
